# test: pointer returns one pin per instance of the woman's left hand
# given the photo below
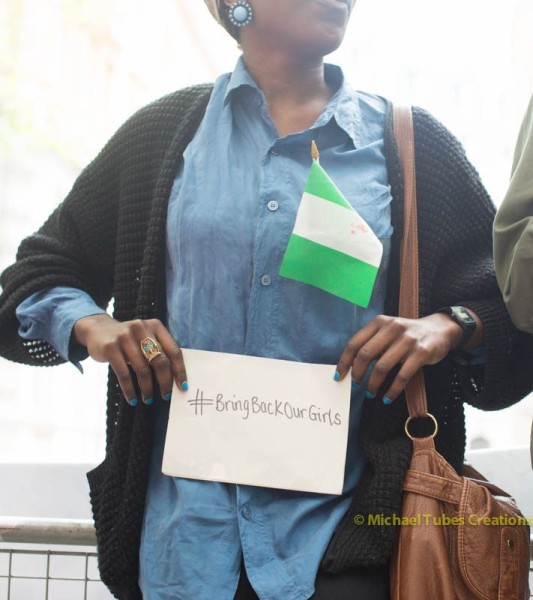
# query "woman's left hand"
(390, 341)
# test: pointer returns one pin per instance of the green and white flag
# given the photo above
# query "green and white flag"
(331, 246)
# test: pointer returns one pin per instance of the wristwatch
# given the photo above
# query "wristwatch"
(464, 319)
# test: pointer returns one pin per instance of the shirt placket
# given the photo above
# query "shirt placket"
(261, 329)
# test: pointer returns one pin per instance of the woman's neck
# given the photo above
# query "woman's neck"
(295, 90)
(284, 79)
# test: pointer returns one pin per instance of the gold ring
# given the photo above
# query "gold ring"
(150, 349)
(429, 416)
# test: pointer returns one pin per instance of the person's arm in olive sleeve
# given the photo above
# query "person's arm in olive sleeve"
(513, 232)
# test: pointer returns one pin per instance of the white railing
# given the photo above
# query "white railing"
(43, 559)
(66, 532)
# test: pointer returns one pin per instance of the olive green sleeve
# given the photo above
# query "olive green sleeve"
(513, 232)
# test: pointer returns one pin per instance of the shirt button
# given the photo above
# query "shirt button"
(273, 205)
(266, 280)
(274, 152)
(246, 512)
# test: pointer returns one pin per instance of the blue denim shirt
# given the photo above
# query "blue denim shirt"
(231, 211)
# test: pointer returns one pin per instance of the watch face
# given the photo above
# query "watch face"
(463, 315)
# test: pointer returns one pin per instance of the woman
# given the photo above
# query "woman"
(183, 219)
(513, 236)
(513, 232)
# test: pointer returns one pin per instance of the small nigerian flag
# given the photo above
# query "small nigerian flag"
(331, 246)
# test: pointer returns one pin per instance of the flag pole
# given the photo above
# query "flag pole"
(314, 152)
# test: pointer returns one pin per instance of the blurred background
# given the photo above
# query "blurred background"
(71, 71)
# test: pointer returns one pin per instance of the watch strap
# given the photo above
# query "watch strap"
(467, 323)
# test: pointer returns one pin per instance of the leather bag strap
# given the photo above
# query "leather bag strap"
(415, 391)
(433, 486)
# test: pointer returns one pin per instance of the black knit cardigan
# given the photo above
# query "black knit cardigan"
(108, 238)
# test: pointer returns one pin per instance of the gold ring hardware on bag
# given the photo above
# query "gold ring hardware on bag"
(150, 349)
(429, 416)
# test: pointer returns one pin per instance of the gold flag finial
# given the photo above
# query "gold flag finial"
(314, 151)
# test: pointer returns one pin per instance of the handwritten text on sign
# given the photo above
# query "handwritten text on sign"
(259, 421)
(256, 406)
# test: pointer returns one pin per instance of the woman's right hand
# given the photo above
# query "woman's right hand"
(119, 344)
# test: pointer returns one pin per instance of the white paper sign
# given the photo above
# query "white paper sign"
(259, 421)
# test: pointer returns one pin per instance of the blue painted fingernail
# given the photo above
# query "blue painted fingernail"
(133, 402)
(337, 376)
(355, 385)
(369, 394)
(185, 386)
(149, 401)
(168, 396)
(387, 401)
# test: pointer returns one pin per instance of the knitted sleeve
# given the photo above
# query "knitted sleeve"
(74, 247)
(97, 237)
(455, 229)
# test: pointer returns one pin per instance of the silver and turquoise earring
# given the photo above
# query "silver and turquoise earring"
(240, 13)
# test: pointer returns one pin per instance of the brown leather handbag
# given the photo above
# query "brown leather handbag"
(461, 537)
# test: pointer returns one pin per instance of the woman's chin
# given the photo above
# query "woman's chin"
(320, 44)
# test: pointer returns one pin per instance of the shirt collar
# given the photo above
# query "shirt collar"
(238, 79)
(343, 106)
